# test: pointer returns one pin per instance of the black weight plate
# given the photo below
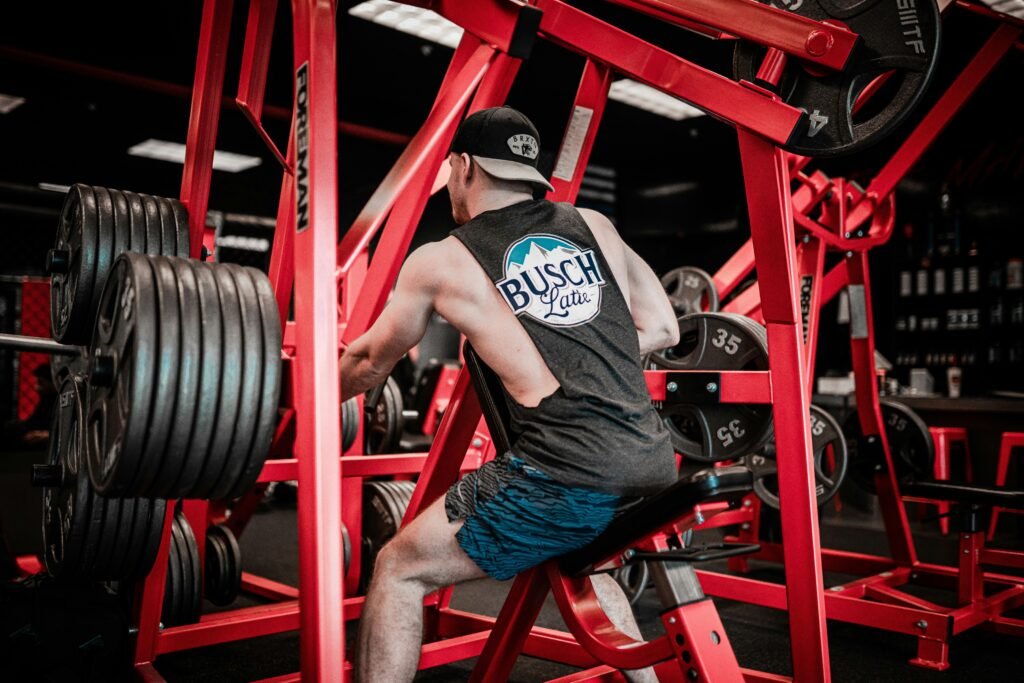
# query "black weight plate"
(189, 368)
(269, 386)
(168, 227)
(71, 292)
(910, 444)
(154, 227)
(174, 588)
(825, 432)
(887, 43)
(205, 417)
(251, 378)
(230, 382)
(126, 332)
(122, 534)
(105, 254)
(137, 222)
(193, 583)
(181, 235)
(349, 423)
(122, 222)
(155, 464)
(107, 533)
(66, 508)
(62, 366)
(154, 531)
(633, 578)
(132, 537)
(712, 432)
(223, 566)
(380, 522)
(690, 290)
(384, 427)
(346, 545)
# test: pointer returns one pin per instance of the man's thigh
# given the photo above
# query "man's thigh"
(427, 551)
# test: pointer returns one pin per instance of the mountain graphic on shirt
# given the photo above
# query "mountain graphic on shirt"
(536, 251)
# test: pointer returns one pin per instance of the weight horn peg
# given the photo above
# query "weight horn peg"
(101, 371)
(58, 261)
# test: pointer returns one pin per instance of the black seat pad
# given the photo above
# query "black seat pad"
(659, 511)
(644, 518)
(965, 493)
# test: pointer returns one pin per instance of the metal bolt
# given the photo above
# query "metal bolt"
(967, 551)
(746, 526)
(836, 589)
(671, 387)
(849, 254)
(860, 233)
(628, 555)
(133, 631)
(806, 239)
(922, 624)
(746, 503)
(818, 43)
(886, 574)
(846, 235)
(712, 387)
(698, 518)
(477, 442)
(692, 674)
(671, 620)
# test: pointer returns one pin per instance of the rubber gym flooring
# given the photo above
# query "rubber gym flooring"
(759, 636)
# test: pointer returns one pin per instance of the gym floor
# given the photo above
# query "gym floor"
(759, 636)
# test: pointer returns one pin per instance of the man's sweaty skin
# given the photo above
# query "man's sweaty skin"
(444, 277)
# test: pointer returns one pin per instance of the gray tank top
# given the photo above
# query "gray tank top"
(599, 429)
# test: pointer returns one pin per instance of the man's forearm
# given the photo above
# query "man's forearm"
(656, 340)
(358, 373)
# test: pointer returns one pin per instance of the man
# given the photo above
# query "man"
(561, 309)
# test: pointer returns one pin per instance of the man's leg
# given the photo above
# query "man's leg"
(420, 559)
(615, 604)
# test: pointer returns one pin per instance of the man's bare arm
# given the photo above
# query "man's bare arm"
(369, 359)
(655, 321)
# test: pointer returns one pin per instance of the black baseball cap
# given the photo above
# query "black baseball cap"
(503, 142)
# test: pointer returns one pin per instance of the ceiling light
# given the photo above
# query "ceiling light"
(416, 21)
(175, 152)
(650, 99)
(9, 103)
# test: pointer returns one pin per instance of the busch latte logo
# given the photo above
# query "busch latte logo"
(524, 145)
(552, 280)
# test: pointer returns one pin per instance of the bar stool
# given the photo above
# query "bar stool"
(944, 438)
(1009, 441)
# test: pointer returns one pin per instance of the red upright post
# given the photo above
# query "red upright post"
(317, 442)
(766, 175)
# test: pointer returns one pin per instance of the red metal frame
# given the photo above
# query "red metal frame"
(339, 291)
(876, 599)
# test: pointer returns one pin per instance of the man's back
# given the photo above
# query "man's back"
(567, 276)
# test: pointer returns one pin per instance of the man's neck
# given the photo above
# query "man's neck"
(495, 199)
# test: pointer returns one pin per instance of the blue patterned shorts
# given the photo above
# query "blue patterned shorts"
(517, 517)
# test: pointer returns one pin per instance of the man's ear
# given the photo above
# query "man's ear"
(468, 166)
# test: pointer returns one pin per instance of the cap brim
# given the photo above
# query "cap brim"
(512, 170)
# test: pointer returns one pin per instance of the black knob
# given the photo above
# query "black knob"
(58, 261)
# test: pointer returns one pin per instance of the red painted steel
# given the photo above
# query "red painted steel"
(766, 175)
(759, 23)
(317, 440)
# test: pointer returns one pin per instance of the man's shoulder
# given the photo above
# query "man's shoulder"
(434, 260)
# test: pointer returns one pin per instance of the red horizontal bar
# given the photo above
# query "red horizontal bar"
(268, 588)
(977, 613)
(542, 643)
(1007, 626)
(737, 386)
(364, 465)
(1002, 558)
(759, 23)
(226, 627)
(838, 607)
